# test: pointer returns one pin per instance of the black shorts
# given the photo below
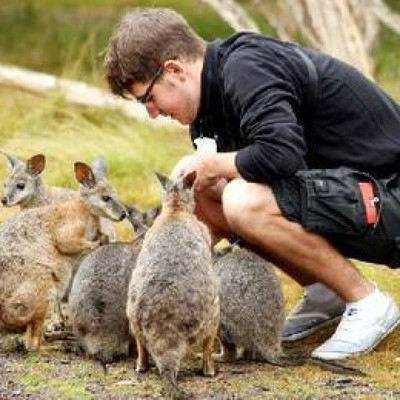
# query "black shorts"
(331, 203)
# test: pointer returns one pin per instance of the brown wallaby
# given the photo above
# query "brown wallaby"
(24, 186)
(173, 297)
(38, 244)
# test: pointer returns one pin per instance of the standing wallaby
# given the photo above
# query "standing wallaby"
(24, 187)
(37, 246)
(97, 301)
(173, 297)
(252, 313)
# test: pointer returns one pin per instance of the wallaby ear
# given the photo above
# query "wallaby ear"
(189, 179)
(13, 162)
(99, 167)
(35, 165)
(163, 179)
(84, 174)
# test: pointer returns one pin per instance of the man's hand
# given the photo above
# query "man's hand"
(210, 168)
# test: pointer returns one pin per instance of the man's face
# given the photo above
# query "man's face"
(174, 92)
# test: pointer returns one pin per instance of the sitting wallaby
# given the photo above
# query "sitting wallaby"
(252, 312)
(173, 297)
(37, 245)
(97, 301)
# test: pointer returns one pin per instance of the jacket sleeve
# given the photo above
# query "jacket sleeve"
(264, 93)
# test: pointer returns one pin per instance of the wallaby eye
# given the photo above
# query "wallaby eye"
(106, 198)
(21, 186)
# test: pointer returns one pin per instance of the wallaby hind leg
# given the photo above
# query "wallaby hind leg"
(142, 364)
(34, 334)
(228, 353)
(208, 359)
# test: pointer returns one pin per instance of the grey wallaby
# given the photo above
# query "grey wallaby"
(173, 299)
(97, 301)
(252, 313)
(38, 244)
(24, 187)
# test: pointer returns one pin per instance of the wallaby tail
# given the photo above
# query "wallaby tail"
(168, 378)
(292, 360)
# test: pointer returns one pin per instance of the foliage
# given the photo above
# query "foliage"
(67, 37)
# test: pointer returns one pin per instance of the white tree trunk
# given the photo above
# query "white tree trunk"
(234, 14)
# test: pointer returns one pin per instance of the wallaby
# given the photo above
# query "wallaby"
(173, 297)
(97, 301)
(252, 312)
(37, 245)
(25, 187)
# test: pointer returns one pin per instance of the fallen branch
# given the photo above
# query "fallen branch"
(76, 92)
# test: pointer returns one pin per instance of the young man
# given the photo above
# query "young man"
(305, 173)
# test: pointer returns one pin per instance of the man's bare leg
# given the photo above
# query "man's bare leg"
(252, 212)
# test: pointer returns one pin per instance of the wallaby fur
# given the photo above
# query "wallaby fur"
(173, 297)
(37, 246)
(24, 186)
(252, 312)
(97, 301)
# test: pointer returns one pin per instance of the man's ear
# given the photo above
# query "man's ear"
(175, 68)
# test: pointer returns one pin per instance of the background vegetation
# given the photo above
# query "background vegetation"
(66, 38)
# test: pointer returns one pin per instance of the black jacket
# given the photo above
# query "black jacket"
(255, 98)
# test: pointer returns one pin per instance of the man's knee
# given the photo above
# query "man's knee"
(242, 200)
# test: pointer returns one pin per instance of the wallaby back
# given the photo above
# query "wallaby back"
(173, 297)
(252, 306)
(37, 246)
(252, 313)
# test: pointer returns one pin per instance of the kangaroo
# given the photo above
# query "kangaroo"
(25, 187)
(252, 313)
(97, 302)
(37, 246)
(173, 297)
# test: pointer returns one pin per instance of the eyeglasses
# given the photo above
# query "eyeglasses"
(144, 98)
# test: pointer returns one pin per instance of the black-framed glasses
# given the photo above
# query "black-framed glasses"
(144, 98)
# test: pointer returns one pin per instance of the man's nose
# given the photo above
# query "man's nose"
(152, 110)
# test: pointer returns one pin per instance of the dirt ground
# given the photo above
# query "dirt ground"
(55, 373)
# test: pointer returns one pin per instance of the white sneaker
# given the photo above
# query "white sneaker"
(319, 308)
(365, 323)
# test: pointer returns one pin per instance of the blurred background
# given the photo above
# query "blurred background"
(66, 38)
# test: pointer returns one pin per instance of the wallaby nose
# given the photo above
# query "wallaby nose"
(4, 201)
(123, 215)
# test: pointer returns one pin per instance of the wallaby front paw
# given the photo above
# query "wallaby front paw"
(104, 239)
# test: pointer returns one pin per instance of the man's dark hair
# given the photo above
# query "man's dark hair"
(144, 39)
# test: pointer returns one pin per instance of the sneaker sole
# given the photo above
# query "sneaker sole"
(384, 336)
(312, 330)
(369, 349)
